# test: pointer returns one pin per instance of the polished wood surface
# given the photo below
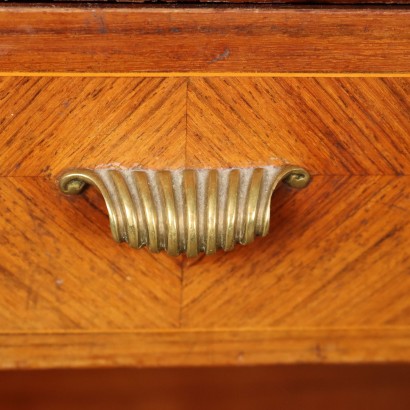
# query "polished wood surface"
(284, 387)
(337, 256)
(60, 266)
(340, 236)
(60, 269)
(329, 284)
(330, 126)
(51, 124)
(86, 39)
(203, 347)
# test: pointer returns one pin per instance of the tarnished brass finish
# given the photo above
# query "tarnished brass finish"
(186, 211)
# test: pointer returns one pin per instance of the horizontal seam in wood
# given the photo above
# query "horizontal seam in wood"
(202, 330)
(205, 74)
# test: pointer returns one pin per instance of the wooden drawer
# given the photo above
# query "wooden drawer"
(330, 283)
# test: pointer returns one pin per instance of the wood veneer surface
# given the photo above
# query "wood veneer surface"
(61, 270)
(130, 39)
(51, 124)
(330, 283)
(331, 126)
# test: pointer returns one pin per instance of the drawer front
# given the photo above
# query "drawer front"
(329, 283)
(325, 260)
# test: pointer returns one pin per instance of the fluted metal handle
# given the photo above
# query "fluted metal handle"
(189, 211)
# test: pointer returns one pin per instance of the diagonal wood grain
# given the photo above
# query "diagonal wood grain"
(50, 124)
(331, 126)
(337, 255)
(60, 269)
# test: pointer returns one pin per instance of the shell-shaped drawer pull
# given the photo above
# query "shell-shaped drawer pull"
(186, 211)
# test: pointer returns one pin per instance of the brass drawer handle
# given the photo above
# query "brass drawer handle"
(189, 211)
